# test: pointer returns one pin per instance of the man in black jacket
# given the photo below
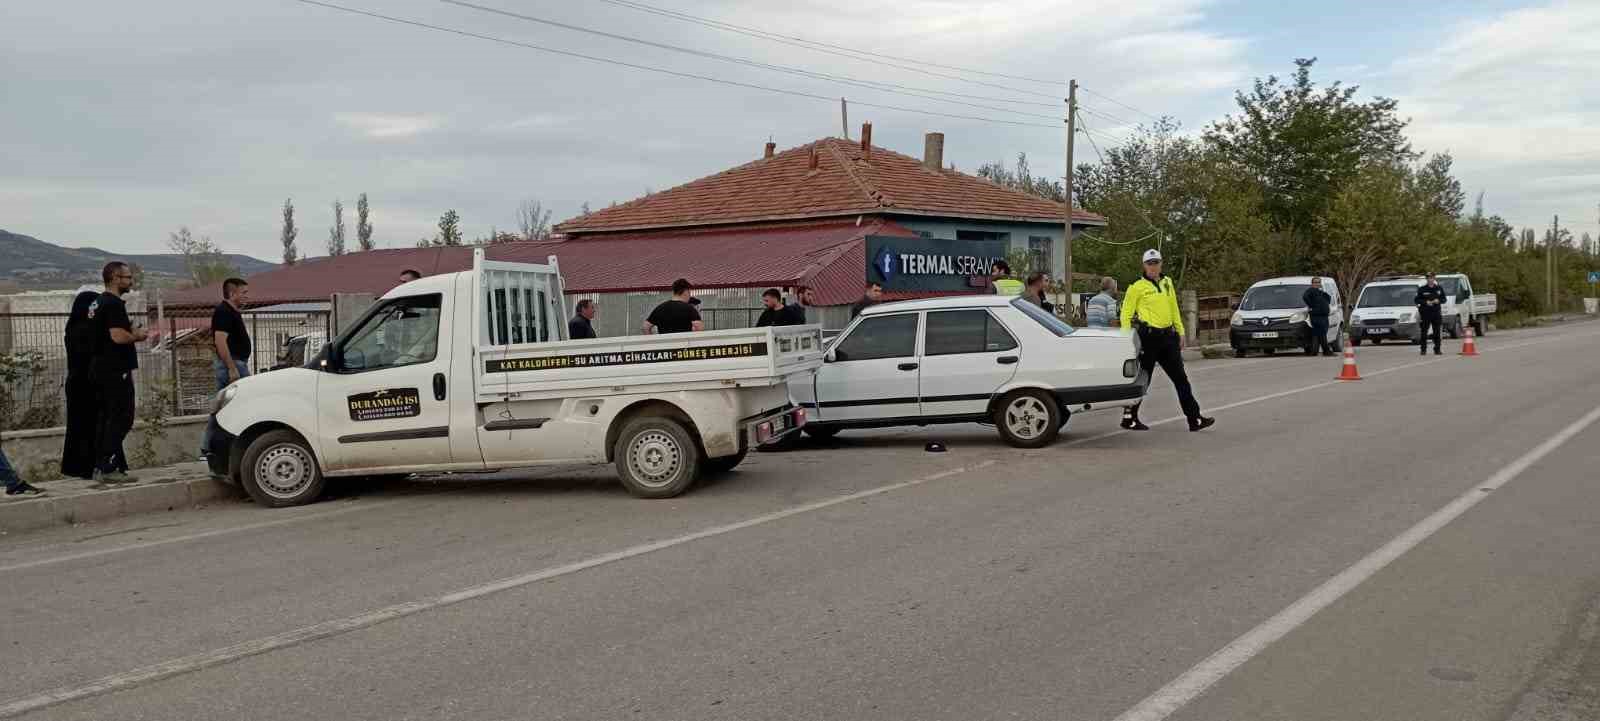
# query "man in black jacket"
(777, 313)
(581, 325)
(1318, 306)
(869, 297)
(1430, 313)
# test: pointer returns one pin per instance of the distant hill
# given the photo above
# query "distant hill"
(32, 264)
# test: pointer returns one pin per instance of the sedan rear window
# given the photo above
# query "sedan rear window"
(1051, 323)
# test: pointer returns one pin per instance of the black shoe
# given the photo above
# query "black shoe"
(1329, 353)
(1201, 423)
(1132, 423)
(1436, 351)
(23, 489)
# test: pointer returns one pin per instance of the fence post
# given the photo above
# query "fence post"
(172, 359)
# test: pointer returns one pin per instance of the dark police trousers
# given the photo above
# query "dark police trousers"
(1436, 323)
(1160, 346)
(1319, 336)
(115, 391)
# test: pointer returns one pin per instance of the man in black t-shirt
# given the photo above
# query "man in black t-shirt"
(676, 315)
(777, 313)
(115, 360)
(231, 341)
(869, 297)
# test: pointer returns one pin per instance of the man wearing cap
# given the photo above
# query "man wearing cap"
(1430, 311)
(1151, 309)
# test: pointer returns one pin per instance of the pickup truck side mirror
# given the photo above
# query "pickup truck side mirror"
(352, 359)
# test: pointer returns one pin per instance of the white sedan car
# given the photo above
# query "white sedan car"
(983, 358)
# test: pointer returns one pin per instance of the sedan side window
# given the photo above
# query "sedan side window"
(965, 331)
(884, 336)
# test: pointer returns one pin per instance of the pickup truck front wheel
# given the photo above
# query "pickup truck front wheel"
(280, 470)
(656, 457)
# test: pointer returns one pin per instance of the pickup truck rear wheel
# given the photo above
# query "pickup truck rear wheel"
(280, 470)
(1028, 418)
(656, 457)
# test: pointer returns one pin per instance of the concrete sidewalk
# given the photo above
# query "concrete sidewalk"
(160, 488)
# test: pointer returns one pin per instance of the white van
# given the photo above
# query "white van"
(1273, 317)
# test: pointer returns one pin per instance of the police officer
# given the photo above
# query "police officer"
(1430, 312)
(1151, 308)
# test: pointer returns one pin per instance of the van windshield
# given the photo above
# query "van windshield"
(1383, 296)
(1275, 297)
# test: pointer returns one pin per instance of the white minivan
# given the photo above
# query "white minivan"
(1273, 317)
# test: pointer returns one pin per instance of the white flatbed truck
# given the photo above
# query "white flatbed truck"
(472, 371)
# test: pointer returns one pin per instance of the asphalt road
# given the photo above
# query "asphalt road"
(1422, 544)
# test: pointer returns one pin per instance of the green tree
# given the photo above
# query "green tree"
(363, 223)
(1303, 143)
(336, 231)
(291, 252)
(202, 260)
(449, 228)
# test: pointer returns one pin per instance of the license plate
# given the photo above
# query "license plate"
(1265, 334)
(1378, 331)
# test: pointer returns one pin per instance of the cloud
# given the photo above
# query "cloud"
(381, 126)
(1512, 97)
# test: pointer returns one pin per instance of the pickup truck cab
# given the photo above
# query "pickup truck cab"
(471, 371)
(1386, 309)
(1272, 316)
(983, 358)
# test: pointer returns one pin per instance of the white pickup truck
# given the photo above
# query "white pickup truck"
(1386, 310)
(471, 371)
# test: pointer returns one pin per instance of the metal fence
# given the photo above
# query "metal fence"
(175, 362)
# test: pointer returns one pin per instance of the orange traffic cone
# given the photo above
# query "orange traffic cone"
(1468, 347)
(1348, 373)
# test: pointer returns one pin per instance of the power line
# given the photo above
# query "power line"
(1107, 116)
(1115, 101)
(871, 84)
(663, 71)
(830, 48)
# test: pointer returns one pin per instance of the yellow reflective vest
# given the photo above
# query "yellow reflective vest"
(1007, 286)
(1155, 304)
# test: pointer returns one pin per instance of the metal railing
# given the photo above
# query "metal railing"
(176, 359)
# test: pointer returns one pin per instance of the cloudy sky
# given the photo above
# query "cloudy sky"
(125, 120)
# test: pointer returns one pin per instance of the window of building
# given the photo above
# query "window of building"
(1041, 248)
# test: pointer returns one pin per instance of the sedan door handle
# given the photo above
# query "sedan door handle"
(438, 386)
(1006, 360)
(908, 366)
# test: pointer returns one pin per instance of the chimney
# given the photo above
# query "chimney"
(933, 151)
(771, 148)
(813, 157)
(866, 141)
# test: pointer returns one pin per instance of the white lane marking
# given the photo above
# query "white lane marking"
(1185, 688)
(353, 507)
(188, 664)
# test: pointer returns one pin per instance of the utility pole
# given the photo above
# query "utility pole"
(1072, 127)
(844, 118)
(1550, 260)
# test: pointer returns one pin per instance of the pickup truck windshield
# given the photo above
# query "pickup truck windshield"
(1384, 296)
(1051, 323)
(1275, 297)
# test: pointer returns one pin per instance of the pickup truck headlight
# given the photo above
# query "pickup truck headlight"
(1355, 320)
(1238, 318)
(222, 398)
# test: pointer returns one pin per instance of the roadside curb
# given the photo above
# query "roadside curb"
(173, 495)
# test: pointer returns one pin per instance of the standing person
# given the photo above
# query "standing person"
(777, 313)
(1317, 303)
(869, 297)
(1033, 290)
(1430, 312)
(1102, 308)
(1151, 307)
(15, 486)
(230, 340)
(83, 407)
(676, 315)
(115, 360)
(1000, 280)
(408, 275)
(582, 324)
